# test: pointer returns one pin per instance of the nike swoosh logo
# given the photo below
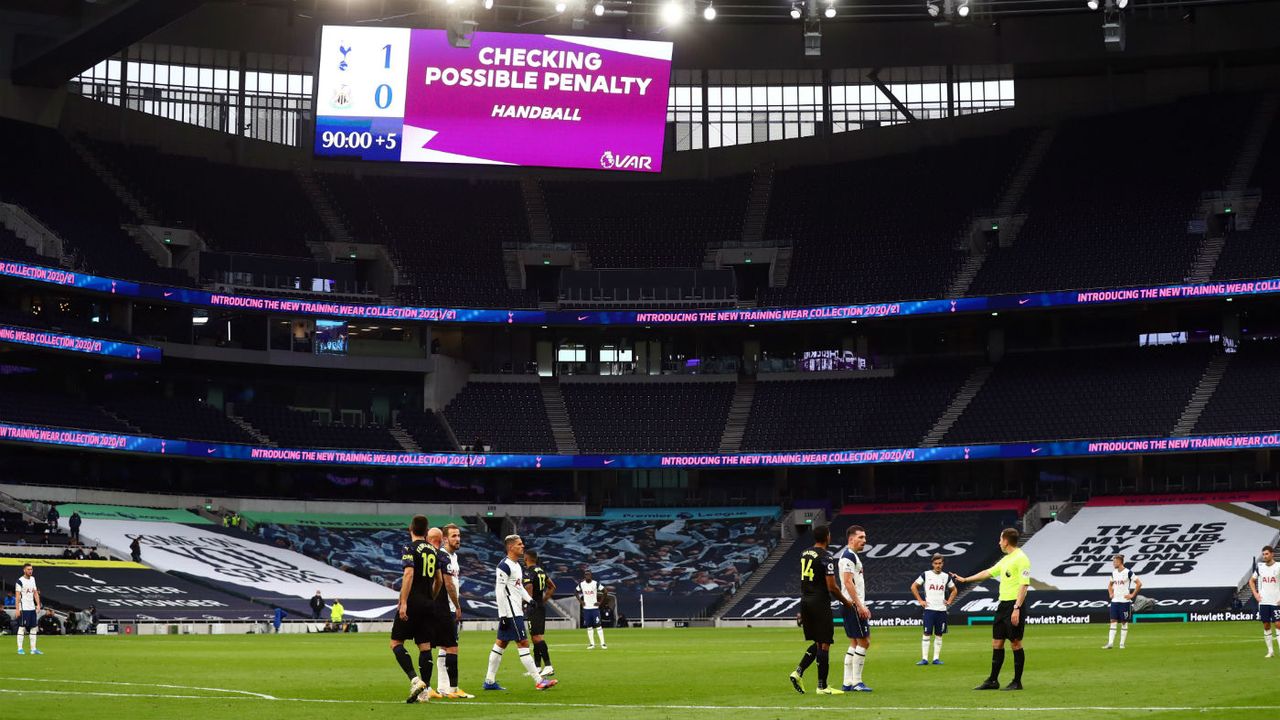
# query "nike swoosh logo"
(210, 451)
(1024, 302)
(168, 294)
(608, 462)
(583, 317)
(1035, 450)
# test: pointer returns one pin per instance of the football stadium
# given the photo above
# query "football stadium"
(640, 358)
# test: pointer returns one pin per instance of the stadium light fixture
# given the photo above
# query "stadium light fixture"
(488, 4)
(795, 11)
(1092, 4)
(672, 12)
(709, 13)
(933, 8)
(598, 9)
(1122, 4)
(962, 9)
(830, 12)
(560, 6)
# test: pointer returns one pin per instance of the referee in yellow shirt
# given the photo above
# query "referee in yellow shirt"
(1014, 573)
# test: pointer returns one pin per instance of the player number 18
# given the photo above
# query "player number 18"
(429, 565)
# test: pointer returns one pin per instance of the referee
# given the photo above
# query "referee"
(1014, 573)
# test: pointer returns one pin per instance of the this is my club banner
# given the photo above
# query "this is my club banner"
(1188, 546)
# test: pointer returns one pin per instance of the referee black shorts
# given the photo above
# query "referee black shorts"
(819, 625)
(536, 616)
(1003, 627)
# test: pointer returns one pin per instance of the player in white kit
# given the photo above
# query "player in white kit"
(1265, 585)
(447, 657)
(27, 602)
(935, 603)
(511, 596)
(1122, 588)
(588, 592)
(856, 615)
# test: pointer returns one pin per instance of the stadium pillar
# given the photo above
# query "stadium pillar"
(1231, 326)
(1135, 469)
(995, 344)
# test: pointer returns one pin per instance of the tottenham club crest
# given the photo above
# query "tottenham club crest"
(343, 50)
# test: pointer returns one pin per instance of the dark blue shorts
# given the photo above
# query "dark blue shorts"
(854, 626)
(512, 630)
(935, 622)
(27, 619)
(1266, 613)
(591, 617)
(1121, 612)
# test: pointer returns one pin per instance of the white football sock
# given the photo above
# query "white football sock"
(495, 659)
(526, 659)
(848, 666)
(859, 660)
(23, 631)
(600, 632)
(1266, 637)
(1124, 633)
(937, 647)
(442, 673)
(1111, 635)
(32, 634)
(591, 638)
(924, 648)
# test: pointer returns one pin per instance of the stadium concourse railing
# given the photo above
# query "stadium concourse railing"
(122, 288)
(92, 440)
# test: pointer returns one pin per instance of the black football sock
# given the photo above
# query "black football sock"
(997, 660)
(810, 653)
(406, 664)
(824, 666)
(451, 667)
(546, 653)
(1019, 656)
(426, 662)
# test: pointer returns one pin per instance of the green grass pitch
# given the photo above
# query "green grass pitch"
(1168, 671)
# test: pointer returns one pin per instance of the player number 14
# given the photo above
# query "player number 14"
(806, 568)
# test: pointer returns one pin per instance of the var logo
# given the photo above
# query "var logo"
(610, 161)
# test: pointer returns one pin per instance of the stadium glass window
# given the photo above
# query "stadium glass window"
(265, 97)
(754, 106)
(686, 108)
(858, 103)
(571, 352)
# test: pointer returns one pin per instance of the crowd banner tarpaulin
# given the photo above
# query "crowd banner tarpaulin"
(720, 513)
(124, 512)
(578, 318)
(1204, 498)
(119, 442)
(63, 342)
(240, 566)
(1166, 546)
(341, 521)
(898, 508)
(129, 591)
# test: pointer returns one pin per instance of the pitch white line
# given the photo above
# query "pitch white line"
(550, 703)
(152, 685)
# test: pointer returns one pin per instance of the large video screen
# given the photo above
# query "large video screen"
(407, 95)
